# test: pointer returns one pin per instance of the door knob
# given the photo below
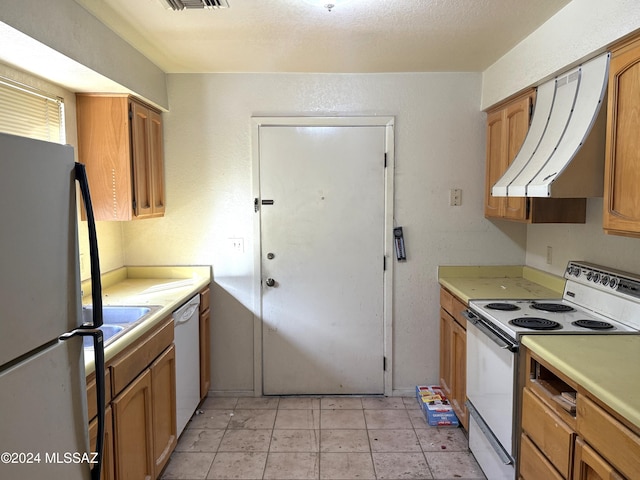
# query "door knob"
(270, 282)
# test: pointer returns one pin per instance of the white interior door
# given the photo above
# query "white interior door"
(322, 245)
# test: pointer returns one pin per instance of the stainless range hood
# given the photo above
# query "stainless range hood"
(563, 153)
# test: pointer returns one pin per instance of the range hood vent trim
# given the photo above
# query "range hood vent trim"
(566, 138)
(178, 5)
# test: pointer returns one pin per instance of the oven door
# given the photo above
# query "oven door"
(491, 364)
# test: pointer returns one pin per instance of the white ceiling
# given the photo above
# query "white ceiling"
(296, 36)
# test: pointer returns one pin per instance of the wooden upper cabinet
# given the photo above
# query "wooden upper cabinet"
(622, 161)
(507, 128)
(120, 142)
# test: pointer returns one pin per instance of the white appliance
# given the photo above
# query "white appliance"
(186, 321)
(43, 411)
(596, 300)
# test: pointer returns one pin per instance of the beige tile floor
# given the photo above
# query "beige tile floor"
(327, 438)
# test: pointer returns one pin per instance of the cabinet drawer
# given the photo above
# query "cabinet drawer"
(92, 407)
(533, 464)
(614, 441)
(453, 306)
(551, 435)
(457, 309)
(204, 299)
(446, 300)
(138, 357)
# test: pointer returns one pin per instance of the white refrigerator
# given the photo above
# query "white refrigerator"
(43, 410)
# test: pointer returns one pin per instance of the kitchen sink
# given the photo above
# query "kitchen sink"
(116, 319)
(108, 334)
(117, 314)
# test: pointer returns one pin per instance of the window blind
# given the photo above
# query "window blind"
(28, 112)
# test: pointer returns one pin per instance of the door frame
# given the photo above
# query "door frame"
(347, 121)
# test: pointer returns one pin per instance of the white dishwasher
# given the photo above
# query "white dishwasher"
(187, 342)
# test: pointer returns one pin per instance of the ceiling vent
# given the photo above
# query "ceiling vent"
(195, 4)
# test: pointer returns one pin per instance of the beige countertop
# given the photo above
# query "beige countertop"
(499, 282)
(606, 366)
(165, 287)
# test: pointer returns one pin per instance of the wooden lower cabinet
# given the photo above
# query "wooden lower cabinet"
(163, 391)
(453, 354)
(132, 421)
(558, 441)
(533, 464)
(588, 465)
(108, 462)
(145, 420)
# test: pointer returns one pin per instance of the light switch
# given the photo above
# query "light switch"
(236, 245)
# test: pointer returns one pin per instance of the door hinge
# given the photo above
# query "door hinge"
(384, 262)
(384, 364)
(256, 204)
(385, 159)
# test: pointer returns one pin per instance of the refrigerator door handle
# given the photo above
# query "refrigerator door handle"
(98, 356)
(96, 284)
(94, 329)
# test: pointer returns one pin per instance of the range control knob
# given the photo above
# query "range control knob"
(596, 277)
(605, 280)
(613, 283)
(589, 276)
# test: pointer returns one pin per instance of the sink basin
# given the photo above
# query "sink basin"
(115, 320)
(108, 331)
(116, 314)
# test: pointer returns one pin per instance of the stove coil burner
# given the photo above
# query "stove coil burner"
(505, 307)
(552, 307)
(592, 324)
(535, 323)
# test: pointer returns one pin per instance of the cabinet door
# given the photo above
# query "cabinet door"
(622, 165)
(133, 430)
(588, 465)
(550, 434)
(496, 163)
(156, 154)
(446, 323)
(141, 152)
(108, 462)
(459, 371)
(205, 352)
(163, 387)
(533, 464)
(516, 126)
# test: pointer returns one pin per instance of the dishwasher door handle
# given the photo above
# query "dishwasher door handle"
(186, 315)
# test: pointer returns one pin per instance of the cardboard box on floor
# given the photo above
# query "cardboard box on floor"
(435, 406)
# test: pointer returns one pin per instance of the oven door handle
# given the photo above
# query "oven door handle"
(500, 340)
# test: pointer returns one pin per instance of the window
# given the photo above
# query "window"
(28, 112)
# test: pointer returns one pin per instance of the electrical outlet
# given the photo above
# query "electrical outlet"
(455, 197)
(236, 245)
(549, 254)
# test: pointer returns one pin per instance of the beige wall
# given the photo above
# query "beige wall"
(439, 145)
(578, 31)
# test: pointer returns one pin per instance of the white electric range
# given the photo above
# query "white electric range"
(596, 300)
